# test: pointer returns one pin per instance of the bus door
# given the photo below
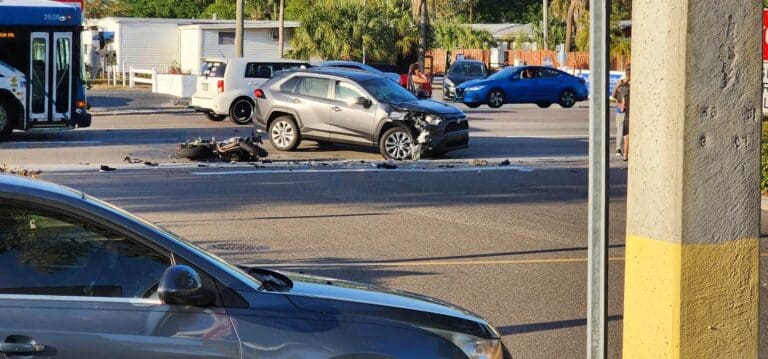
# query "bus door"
(50, 76)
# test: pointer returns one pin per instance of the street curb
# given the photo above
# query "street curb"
(140, 112)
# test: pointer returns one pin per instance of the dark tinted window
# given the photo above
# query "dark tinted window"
(213, 69)
(549, 73)
(47, 253)
(290, 85)
(313, 86)
(265, 70)
(467, 69)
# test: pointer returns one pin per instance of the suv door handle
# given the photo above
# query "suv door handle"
(21, 348)
(295, 100)
(336, 108)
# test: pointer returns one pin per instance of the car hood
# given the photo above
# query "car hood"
(458, 80)
(427, 106)
(471, 83)
(333, 296)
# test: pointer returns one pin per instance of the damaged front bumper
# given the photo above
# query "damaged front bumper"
(451, 134)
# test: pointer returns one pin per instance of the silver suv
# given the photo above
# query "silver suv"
(356, 107)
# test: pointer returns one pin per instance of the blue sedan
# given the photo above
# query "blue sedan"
(524, 84)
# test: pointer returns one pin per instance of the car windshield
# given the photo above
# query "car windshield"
(386, 90)
(213, 69)
(502, 73)
(467, 69)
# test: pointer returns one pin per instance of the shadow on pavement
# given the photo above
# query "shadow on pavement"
(560, 324)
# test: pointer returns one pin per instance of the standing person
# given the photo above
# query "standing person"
(618, 91)
(416, 78)
(623, 104)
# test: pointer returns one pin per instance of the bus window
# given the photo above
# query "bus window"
(63, 59)
(39, 69)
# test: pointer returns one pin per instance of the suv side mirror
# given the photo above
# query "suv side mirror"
(181, 285)
(364, 101)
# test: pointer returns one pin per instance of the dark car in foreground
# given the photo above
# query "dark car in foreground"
(542, 86)
(462, 71)
(329, 104)
(80, 278)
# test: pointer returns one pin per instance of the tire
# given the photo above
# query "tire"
(543, 104)
(194, 152)
(7, 120)
(214, 117)
(495, 98)
(567, 99)
(241, 111)
(284, 134)
(472, 105)
(396, 144)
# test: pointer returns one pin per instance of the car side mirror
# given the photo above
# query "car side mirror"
(181, 285)
(364, 101)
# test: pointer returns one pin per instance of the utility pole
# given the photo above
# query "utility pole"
(545, 25)
(281, 31)
(599, 130)
(239, 28)
(692, 270)
(423, 33)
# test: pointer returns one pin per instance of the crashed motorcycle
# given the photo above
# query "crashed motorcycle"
(234, 149)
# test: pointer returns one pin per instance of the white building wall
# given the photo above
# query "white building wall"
(190, 50)
(148, 45)
(257, 44)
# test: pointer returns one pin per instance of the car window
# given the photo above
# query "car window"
(213, 69)
(345, 92)
(265, 70)
(290, 85)
(386, 90)
(468, 69)
(47, 253)
(549, 73)
(313, 86)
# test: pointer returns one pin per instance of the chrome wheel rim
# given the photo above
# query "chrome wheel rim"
(398, 146)
(282, 134)
(496, 98)
(243, 111)
(568, 99)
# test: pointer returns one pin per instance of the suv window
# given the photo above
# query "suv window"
(345, 92)
(47, 253)
(467, 69)
(265, 70)
(290, 85)
(213, 69)
(313, 86)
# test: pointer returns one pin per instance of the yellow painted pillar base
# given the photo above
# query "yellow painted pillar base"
(715, 284)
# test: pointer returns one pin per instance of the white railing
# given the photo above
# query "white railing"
(142, 77)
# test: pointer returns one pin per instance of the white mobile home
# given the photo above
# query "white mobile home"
(162, 43)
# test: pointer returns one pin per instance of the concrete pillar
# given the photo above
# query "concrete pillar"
(692, 256)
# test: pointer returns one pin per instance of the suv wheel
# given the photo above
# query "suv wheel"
(396, 144)
(214, 117)
(241, 111)
(284, 134)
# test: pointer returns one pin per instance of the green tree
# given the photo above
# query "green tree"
(96, 9)
(178, 9)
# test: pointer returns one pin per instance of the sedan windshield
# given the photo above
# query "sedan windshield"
(386, 90)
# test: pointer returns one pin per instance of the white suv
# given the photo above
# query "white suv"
(225, 87)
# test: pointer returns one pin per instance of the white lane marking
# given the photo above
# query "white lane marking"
(43, 142)
(357, 170)
(575, 137)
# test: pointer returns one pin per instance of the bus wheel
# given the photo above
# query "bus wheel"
(6, 119)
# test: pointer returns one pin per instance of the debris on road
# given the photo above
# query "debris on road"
(234, 149)
(20, 171)
(479, 163)
(151, 164)
(505, 163)
(386, 165)
(105, 168)
(131, 160)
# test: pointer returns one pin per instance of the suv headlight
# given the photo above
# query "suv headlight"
(476, 88)
(433, 120)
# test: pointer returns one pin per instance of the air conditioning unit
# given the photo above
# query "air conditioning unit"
(274, 36)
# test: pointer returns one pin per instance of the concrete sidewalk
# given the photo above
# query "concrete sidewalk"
(125, 101)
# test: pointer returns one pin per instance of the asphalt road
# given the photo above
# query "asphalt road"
(507, 242)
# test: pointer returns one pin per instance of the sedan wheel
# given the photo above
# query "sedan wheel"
(284, 134)
(241, 112)
(495, 99)
(396, 144)
(567, 99)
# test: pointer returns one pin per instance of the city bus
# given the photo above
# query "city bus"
(41, 72)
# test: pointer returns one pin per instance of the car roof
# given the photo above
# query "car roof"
(14, 186)
(352, 74)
